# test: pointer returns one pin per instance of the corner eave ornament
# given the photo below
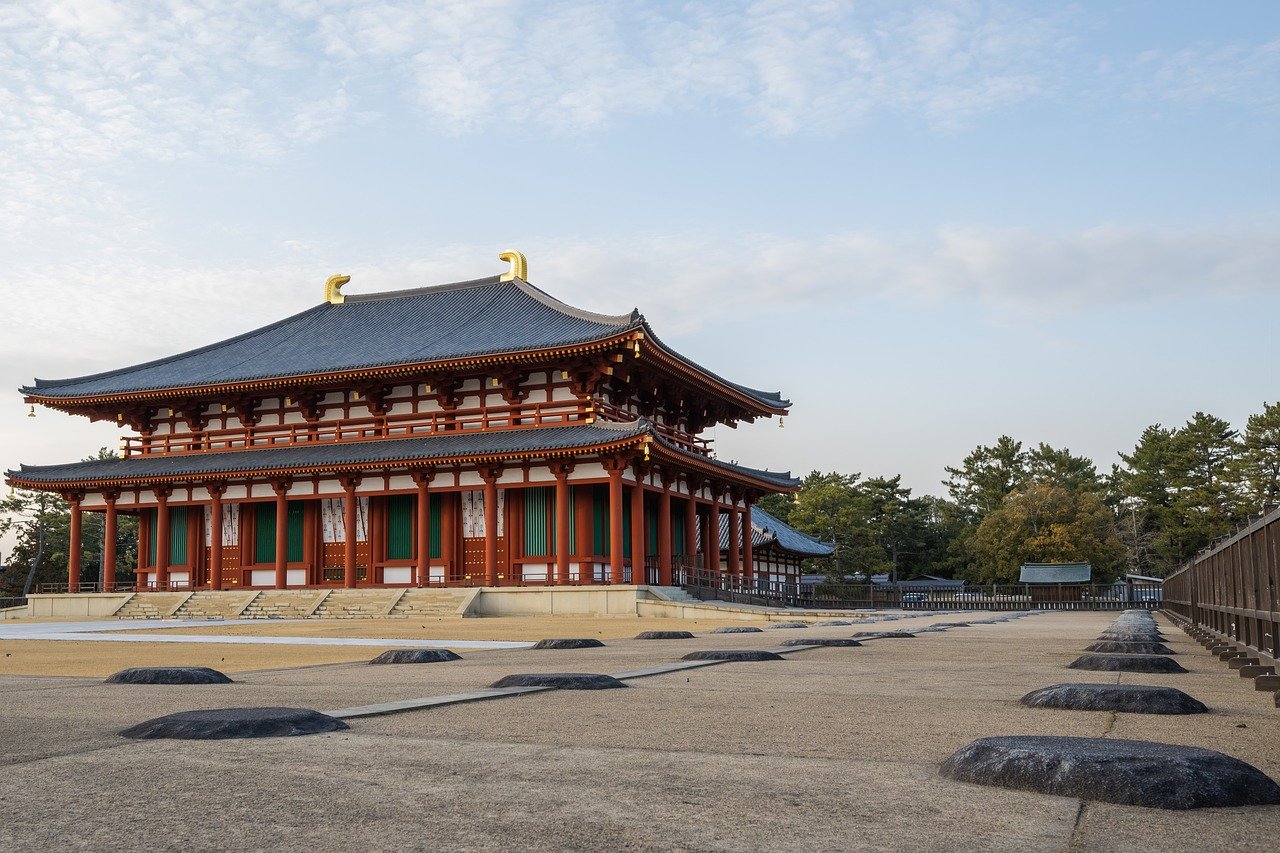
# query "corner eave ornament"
(333, 289)
(519, 266)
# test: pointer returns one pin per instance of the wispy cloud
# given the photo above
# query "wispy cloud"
(1234, 74)
(681, 281)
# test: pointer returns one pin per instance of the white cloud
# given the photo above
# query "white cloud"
(1236, 74)
(678, 280)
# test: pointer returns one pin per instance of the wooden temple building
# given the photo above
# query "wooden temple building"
(480, 433)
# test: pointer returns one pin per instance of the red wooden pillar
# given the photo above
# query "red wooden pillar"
(110, 526)
(615, 522)
(713, 535)
(349, 524)
(215, 534)
(282, 533)
(690, 525)
(639, 533)
(666, 546)
(561, 473)
(162, 539)
(423, 479)
(735, 567)
(73, 547)
(747, 568)
(490, 477)
(449, 533)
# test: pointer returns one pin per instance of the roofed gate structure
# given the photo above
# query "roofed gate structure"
(480, 433)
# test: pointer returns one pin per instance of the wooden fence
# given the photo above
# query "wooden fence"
(1233, 588)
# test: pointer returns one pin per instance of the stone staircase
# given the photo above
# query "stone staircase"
(674, 593)
(282, 604)
(210, 604)
(356, 604)
(430, 603)
(151, 605)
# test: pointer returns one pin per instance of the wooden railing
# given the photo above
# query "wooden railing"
(404, 424)
(1233, 589)
(371, 428)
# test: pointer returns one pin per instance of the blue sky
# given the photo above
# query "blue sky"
(928, 224)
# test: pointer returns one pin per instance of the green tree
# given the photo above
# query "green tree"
(1047, 464)
(1257, 467)
(986, 476)
(1206, 500)
(896, 522)
(1142, 492)
(41, 523)
(830, 507)
(1046, 523)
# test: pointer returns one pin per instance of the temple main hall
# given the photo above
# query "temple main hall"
(480, 433)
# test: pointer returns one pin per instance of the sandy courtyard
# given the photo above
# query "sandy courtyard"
(830, 749)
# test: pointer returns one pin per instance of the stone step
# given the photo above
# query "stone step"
(150, 605)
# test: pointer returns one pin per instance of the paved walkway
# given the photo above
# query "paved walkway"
(113, 631)
(833, 748)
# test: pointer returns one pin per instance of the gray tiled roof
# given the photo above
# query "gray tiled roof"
(471, 318)
(766, 530)
(1055, 573)
(390, 452)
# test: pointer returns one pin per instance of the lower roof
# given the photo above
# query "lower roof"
(1055, 573)
(767, 530)
(486, 446)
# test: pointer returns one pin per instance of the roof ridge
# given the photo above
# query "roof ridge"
(524, 286)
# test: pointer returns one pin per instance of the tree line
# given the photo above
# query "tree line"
(1006, 504)
(1178, 490)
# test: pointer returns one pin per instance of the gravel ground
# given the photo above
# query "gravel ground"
(833, 748)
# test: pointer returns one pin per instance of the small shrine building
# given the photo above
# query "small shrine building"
(480, 433)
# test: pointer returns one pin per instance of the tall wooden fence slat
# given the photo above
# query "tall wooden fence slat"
(1234, 587)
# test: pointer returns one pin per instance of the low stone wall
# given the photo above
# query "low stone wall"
(93, 604)
(557, 601)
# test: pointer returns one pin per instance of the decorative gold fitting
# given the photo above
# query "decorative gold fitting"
(333, 289)
(782, 423)
(564, 374)
(519, 266)
(637, 347)
(288, 401)
(224, 407)
(31, 410)
(426, 389)
(119, 418)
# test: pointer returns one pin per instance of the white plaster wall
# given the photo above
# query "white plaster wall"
(402, 482)
(587, 471)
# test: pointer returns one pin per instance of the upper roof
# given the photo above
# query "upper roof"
(486, 316)
(1055, 573)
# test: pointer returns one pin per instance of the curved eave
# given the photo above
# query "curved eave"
(765, 481)
(757, 402)
(16, 479)
(403, 370)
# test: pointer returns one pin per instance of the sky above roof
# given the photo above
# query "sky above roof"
(928, 224)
